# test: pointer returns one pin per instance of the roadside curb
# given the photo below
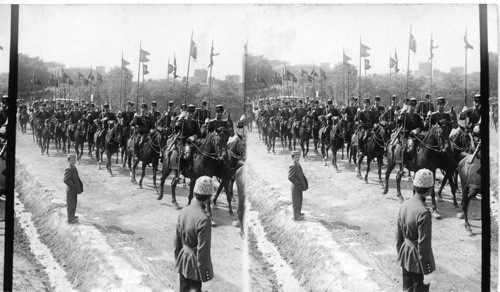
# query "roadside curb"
(80, 249)
(319, 263)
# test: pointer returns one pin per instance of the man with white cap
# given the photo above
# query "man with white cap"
(299, 185)
(414, 234)
(74, 187)
(193, 239)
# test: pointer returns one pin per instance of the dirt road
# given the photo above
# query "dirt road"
(362, 222)
(125, 236)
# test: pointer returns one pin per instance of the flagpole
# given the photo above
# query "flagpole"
(210, 78)
(168, 77)
(465, 101)
(396, 76)
(142, 84)
(32, 83)
(189, 63)
(359, 86)
(79, 82)
(408, 65)
(364, 61)
(343, 74)
(432, 57)
(138, 78)
(121, 83)
(97, 85)
(348, 81)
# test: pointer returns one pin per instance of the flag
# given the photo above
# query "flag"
(99, 76)
(413, 43)
(392, 63)
(303, 72)
(364, 51)
(322, 73)
(65, 77)
(313, 73)
(212, 54)
(367, 64)
(288, 73)
(467, 45)
(80, 75)
(144, 56)
(309, 78)
(193, 50)
(397, 61)
(170, 69)
(70, 81)
(91, 76)
(85, 81)
(38, 82)
(347, 58)
(145, 69)
(294, 79)
(124, 64)
(175, 68)
(53, 81)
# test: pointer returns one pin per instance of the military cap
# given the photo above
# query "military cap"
(220, 108)
(76, 104)
(191, 108)
(171, 103)
(477, 97)
(366, 100)
(92, 105)
(423, 178)
(286, 102)
(300, 101)
(71, 155)
(354, 98)
(5, 97)
(183, 106)
(406, 99)
(144, 106)
(61, 105)
(377, 98)
(106, 105)
(268, 102)
(129, 102)
(413, 101)
(204, 102)
(132, 103)
(43, 104)
(204, 186)
(440, 100)
(427, 95)
(153, 103)
(316, 102)
(295, 153)
(394, 97)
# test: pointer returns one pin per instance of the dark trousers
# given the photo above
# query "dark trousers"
(297, 202)
(188, 285)
(414, 282)
(71, 199)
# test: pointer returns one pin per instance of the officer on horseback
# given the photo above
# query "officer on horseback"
(367, 121)
(202, 113)
(332, 110)
(390, 115)
(439, 115)
(218, 121)
(350, 111)
(473, 117)
(154, 114)
(144, 124)
(298, 114)
(411, 123)
(168, 116)
(426, 106)
(187, 129)
(73, 117)
(3, 111)
(377, 108)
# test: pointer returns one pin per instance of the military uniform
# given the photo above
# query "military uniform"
(299, 185)
(200, 115)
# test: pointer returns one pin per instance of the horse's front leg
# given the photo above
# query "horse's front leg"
(143, 168)
(134, 166)
(217, 193)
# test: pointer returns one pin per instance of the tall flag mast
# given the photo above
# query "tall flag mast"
(212, 54)
(363, 52)
(192, 53)
(467, 46)
(430, 59)
(143, 57)
(412, 45)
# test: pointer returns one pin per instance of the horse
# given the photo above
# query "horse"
(226, 171)
(315, 133)
(374, 148)
(334, 139)
(305, 134)
(349, 131)
(91, 130)
(111, 145)
(469, 170)
(240, 184)
(24, 117)
(47, 134)
(60, 136)
(426, 154)
(272, 133)
(202, 162)
(149, 153)
(33, 122)
(286, 134)
(79, 138)
(123, 145)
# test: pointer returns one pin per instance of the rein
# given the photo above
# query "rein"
(430, 147)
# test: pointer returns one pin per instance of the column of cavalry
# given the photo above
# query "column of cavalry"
(187, 143)
(413, 136)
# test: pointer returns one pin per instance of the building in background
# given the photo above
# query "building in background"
(200, 76)
(233, 78)
(457, 70)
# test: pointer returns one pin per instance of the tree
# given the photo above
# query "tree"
(493, 64)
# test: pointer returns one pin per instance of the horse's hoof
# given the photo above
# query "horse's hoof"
(159, 197)
(213, 223)
(366, 181)
(469, 232)
(436, 215)
(460, 215)
(215, 207)
(236, 223)
(440, 199)
(231, 213)
(382, 186)
(176, 206)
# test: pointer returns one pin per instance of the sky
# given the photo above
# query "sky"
(96, 35)
(307, 34)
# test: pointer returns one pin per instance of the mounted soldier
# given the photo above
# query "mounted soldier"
(438, 115)
(218, 121)
(377, 108)
(73, 116)
(351, 110)
(473, 118)
(201, 114)
(4, 110)
(187, 129)
(143, 124)
(298, 114)
(426, 106)
(367, 121)
(107, 118)
(411, 122)
(332, 110)
(154, 114)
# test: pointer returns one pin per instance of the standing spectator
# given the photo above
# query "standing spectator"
(193, 239)
(414, 234)
(74, 187)
(299, 184)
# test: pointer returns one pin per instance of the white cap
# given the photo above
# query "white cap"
(242, 118)
(204, 185)
(423, 178)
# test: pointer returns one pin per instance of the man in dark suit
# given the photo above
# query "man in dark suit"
(193, 239)
(74, 187)
(299, 184)
(414, 233)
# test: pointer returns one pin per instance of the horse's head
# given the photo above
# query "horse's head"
(222, 137)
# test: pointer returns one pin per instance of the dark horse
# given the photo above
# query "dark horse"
(305, 134)
(202, 162)
(23, 120)
(91, 130)
(60, 136)
(374, 148)
(79, 138)
(150, 152)
(334, 139)
(426, 154)
(315, 133)
(272, 132)
(286, 134)
(226, 170)
(469, 170)
(109, 143)
(349, 131)
(48, 132)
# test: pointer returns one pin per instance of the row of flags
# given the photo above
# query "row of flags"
(66, 79)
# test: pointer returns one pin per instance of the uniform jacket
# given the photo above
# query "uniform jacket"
(437, 116)
(201, 115)
(413, 236)
(367, 119)
(72, 181)
(473, 114)
(215, 124)
(413, 121)
(297, 178)
(424, 107)
(192, 243)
